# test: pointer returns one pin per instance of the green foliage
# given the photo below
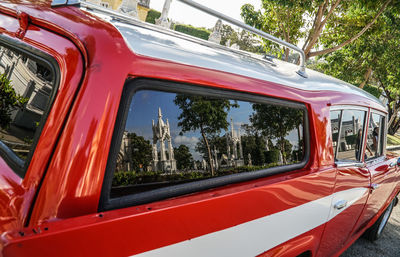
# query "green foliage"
(136, 178)
(152, 15)
(372, 60)
(204, 113)
(275, 122)
(393, 140)
(209, 115)
(193, 31)
(140, 151)
(272, 156)
(254, 144)
(321, 24)
(9, 101)
(373, 90)
(245, 40)
(183, 157)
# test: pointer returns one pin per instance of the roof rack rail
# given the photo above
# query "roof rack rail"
(301, 71)
(56, 3)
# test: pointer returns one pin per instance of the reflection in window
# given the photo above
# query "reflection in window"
(174, 138)
(375, 136)
(335, 121)
(351, 131)
(25, 88)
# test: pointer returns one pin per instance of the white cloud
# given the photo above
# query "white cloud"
(184, 140)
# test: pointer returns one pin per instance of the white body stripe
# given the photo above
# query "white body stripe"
(257, 236)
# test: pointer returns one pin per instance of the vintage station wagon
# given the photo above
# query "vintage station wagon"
(120, 138)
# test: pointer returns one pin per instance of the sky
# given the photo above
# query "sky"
(183, 13)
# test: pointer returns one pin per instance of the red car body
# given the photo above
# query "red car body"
(54, 209)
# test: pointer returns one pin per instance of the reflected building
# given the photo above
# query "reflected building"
(33, 81)
(162, 134)
(234, 148)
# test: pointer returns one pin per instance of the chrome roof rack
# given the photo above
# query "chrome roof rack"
(301, 71)
(56, 3)
(126, 18)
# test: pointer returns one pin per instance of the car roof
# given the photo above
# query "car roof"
(154, 41)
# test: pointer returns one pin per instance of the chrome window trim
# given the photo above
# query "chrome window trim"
(343, 164)
(342, 108)
(385, 116)
(348, 107)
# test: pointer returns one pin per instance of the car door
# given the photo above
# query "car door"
(383, 170)
(352, 178)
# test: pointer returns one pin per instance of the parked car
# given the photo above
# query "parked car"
(120, 138)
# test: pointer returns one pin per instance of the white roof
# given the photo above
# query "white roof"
(152, 41)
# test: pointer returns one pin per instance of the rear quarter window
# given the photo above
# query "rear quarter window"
(27, 85)
(175, 139)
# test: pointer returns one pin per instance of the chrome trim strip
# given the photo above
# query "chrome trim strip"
(342, 164)
(348, 107)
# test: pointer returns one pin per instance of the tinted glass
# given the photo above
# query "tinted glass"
(335, 118)
(351, 134)
(25, 88)
(375, 136)
(174, 138)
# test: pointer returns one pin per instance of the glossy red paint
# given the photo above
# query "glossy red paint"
(20, 192)
(94, 63)
(171, 221)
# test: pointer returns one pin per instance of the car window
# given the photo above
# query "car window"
(335, 122)
(351, 135)
(176, 138)
(26, 85)
(375, 136)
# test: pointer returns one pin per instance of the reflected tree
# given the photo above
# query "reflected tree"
(205, 114)
(9, 101)
(140, 152)
(276, 122)
(183, 157)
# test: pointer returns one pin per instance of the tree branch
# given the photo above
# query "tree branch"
(332, 49)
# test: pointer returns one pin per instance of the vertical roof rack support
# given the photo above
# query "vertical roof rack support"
(301, 71)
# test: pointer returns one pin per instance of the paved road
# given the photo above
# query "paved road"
(386, 246)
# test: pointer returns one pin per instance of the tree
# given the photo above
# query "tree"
(313, 21)
(276, 122)
(245, 40)
(205, 114)
(183, 157)
(152, 16)
(9, 101)
(372, 62)
(140, 151)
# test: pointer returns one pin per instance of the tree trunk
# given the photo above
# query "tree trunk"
(208, 151)
(366, 77)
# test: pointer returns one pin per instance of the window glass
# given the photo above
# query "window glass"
(351, 134)
(335, 118)
(375, 136)
(172, 138)
(25, 88)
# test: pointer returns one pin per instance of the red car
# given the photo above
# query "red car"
(120, 138)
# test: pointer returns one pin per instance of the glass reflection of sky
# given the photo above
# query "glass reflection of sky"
(144, 109)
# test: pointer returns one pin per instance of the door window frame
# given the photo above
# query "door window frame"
(342, 108)
(18, 165)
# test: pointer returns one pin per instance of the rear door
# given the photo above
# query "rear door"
(352, 179)
(383, 170)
